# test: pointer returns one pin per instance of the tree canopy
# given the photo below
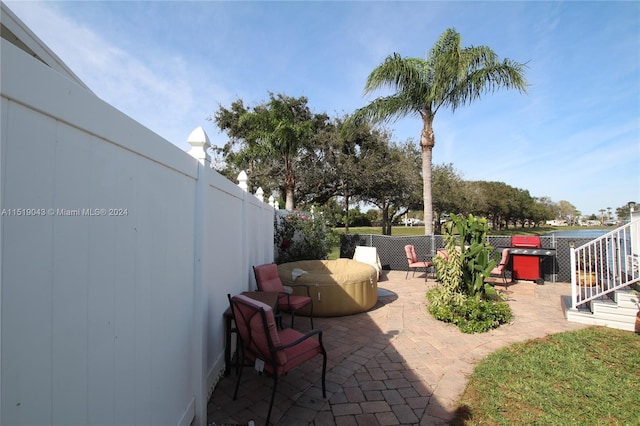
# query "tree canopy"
(271, 136)
(338, 164)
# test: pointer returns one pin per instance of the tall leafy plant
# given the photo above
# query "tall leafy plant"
(475, 259)
(449, 275)
(461, 298)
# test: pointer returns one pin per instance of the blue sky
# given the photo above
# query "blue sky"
(574, 136)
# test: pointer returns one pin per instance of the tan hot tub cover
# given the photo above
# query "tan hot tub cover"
(338, 287)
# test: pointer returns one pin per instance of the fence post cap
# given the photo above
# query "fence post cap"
(242, 180)
(199, 142)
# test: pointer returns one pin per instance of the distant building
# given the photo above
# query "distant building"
(589, 223)
(557, 222)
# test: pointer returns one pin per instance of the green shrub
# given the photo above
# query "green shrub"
(301, 236)
(469, 314)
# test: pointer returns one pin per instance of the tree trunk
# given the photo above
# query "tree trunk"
(427, 142)
(438, 226)
(346, 209)
(289, 199)
(290, 184)
(386, 228)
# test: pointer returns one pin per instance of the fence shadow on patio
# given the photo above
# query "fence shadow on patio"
(377, 373)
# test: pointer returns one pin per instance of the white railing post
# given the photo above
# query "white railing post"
(574, 293)
(260, 194)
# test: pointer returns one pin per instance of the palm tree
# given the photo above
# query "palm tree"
(451, 76)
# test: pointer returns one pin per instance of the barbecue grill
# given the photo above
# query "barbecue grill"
(527, 257)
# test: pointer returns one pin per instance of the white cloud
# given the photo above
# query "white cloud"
(158, 91)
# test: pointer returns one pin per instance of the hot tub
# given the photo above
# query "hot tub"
(338, 287)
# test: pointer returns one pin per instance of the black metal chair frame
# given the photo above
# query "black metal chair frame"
(273, 350)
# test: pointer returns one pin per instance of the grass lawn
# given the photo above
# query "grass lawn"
(585, 377)
(419, 230)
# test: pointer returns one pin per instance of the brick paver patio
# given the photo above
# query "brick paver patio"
(393, 365)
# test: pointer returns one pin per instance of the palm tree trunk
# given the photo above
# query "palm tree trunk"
(386, 228)
(427, 142)
(289, 199)
(289, 183)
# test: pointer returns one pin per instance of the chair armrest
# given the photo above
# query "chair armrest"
(300, 340)
(306, 286)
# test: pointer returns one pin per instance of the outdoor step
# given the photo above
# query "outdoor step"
(624, 297)
(608, 312)
(627, 295)
(566, 306)
(582, 317)
(604, 308)
(629, 304)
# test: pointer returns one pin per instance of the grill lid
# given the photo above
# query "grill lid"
(525, 241)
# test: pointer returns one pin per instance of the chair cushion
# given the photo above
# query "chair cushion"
(299, 353)
(443, 253)
(410, 251)
(420, 264)
(252, 331)
(293, 302)
(267, 277)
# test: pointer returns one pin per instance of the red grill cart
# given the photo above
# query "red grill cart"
(526, 266)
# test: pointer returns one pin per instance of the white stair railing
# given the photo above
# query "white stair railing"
(605, 264)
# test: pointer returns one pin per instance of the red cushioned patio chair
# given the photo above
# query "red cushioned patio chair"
(271, 350)
(268, 279)
(414, 262)
(501, 269)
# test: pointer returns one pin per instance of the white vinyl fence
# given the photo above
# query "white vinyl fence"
(117, 252)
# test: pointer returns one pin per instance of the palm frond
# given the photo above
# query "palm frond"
(396, 73)
(450, 76)
(488, 79)
(386, 109)
(450, 40)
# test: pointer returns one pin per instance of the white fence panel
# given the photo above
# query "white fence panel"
(224, 268)
(110, 316)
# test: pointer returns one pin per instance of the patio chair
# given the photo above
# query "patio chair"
(414, 262)
(501, 269)
(443, 253)
(271, 350)
(268, 279)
